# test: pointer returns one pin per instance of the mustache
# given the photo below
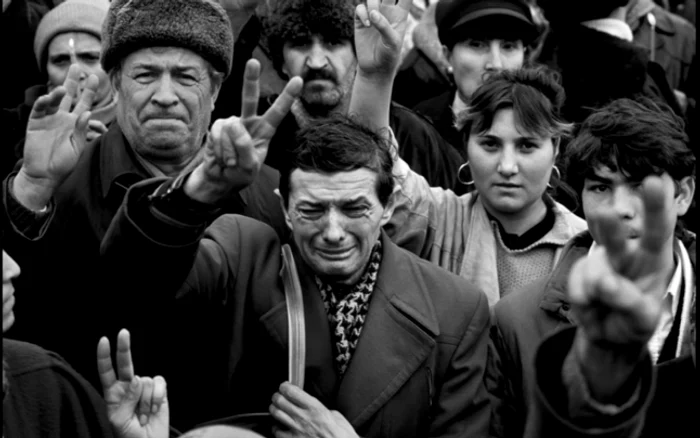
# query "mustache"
(313, 74)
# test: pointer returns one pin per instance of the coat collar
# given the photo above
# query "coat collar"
(398, 335)
(554, 297)
(119, 168)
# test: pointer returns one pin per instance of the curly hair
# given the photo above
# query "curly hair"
(636, 137)
(299, 20)
(339, 144)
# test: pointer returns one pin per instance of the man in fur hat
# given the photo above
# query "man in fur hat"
(167, 60)
(314, 40)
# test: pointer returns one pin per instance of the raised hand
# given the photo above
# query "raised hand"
(236, 147)
(302, 415)
(137, 407)
(616, 291)
(380, 26)
(56, 137)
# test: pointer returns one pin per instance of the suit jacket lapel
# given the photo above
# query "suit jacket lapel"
(398, 335)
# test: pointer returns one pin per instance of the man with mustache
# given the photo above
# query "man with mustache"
(166, 60)
(314, 40)
(607, 163)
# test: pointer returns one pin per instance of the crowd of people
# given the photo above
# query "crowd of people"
(349, 218)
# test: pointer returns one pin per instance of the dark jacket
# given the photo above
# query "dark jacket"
(597, 68)
(675, 46)
(519, 323)
(439, 111)
(666, 405)
(420, 145)
(418, 367)
(418, 79)
(64, 303)
(46, 398)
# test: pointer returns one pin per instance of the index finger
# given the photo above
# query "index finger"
(71, 84)
(279, 109)
(104, 363)
(125, 366)
(657, 224)
(298, 396)
(251, 89)
(610, 232)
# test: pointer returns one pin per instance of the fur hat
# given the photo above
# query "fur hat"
(290, 20)
(201, 26)
(455, 19)
(70, 16)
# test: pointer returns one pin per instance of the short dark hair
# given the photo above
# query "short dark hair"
(339, 144)
(293, 20)
(636, 137)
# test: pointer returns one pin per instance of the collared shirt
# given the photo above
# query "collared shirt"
(611, 26)
(458, 107)
(670, 306)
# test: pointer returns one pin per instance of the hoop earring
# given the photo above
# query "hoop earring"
(459, 175)
(555, 169)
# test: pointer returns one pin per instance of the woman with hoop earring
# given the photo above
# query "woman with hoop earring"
(507, 231)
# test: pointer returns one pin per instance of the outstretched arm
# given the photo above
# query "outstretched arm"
(380, 27)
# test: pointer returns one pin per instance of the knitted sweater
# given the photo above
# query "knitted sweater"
(455, 233)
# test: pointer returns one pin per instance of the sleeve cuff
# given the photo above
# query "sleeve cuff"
(581, 403)
(32, 225)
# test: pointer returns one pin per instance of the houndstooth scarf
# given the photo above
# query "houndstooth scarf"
(347, 308)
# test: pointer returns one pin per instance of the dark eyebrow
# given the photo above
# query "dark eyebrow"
(357, 200)
(598, 178)
(490, 137)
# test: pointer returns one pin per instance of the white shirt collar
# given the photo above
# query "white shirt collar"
(458, 106)
(611, 26)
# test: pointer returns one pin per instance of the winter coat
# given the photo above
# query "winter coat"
(455, 232)
(417, 370)
(67, 304)
(520, 322)
(46, 398)
(665, 406)
(597, 68)
(439, 111)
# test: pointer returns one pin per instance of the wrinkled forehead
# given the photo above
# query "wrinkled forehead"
(333, 188)
(165, 58)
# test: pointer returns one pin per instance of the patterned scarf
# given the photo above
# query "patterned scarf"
(347, 306)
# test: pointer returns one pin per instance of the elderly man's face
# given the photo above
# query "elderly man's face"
(165, 101)
(336, 220)
(85, 52)
(328, 69)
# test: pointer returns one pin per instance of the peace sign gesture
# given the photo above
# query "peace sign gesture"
(56, 137)
(137, 407)
(616, 291)
(236, 147)
(380, 26)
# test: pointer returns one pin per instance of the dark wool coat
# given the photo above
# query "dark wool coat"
(46, 398)
(418, 368)
(64, 304)
(666, 406)
(597, 68)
